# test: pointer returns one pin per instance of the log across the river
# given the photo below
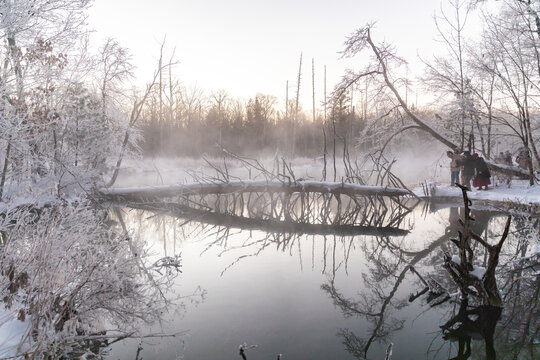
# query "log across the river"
(164, 191)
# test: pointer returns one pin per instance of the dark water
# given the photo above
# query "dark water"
(327, 297)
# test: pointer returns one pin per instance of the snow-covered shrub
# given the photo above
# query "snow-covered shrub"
(64, 271)
(71, 277)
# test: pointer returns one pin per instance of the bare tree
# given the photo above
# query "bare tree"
(449, 76)
(116, 68)
(219, 98)
(511, 53)
(383, 61)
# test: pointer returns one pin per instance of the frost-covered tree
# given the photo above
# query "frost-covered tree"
(65, 272)
(510, 55)
(448, 75)
(71, 278)
(49, 110)
(382, 67)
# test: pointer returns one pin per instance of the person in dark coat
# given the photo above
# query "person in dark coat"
(523, 158)
(467, 163)
(482, 177)
(454, 165)
(508, 158)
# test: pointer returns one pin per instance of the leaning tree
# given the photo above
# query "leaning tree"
(379, 70)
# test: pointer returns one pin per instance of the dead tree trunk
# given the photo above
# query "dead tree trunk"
(475, 280)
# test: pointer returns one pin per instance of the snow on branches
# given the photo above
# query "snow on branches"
(71, 276)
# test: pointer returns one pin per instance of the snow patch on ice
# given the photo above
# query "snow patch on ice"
(12, 331)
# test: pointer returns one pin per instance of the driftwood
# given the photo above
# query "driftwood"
(471, 279)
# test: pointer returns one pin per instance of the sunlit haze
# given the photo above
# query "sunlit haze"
(248, 47)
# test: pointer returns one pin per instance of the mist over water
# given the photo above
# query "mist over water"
(414, 164)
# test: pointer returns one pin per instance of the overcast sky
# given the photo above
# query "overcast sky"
(253, 46)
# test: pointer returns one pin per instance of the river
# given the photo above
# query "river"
(325, 296)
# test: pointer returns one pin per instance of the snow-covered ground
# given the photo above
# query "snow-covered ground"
(519, 192)
(11, 332)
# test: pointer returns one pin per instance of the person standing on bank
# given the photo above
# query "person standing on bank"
(454, 165)
(482, 177)
(507, 158)
(467, 163)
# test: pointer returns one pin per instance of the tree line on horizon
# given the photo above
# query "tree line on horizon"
(486, 95)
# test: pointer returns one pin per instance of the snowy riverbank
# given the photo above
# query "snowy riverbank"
(519, 192)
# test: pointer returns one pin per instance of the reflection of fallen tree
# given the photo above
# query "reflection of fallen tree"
(269, 226)
(301, 202)
(285, 234)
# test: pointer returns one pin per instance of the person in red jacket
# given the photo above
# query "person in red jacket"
(482, 177)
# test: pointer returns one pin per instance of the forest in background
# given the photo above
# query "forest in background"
(485, 94)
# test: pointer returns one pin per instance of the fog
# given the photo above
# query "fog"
(413, 165)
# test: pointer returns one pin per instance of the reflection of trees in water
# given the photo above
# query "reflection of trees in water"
(303, 202)
(338, 241)
(285, 235)
(476, 322)
(388, 265)
(388, 260)
(378, 300)
(520, 287)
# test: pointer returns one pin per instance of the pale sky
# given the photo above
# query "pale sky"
(253, 46)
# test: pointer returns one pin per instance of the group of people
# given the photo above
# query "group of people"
(472, 167)
(505, 158)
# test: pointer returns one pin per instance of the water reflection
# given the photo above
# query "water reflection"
(249, 266)
(378, 300)
(477, 322)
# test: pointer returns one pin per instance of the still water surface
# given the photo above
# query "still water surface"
(316, 297)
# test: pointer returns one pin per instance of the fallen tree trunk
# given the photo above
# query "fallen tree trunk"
(246, 186)
(507, 169)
